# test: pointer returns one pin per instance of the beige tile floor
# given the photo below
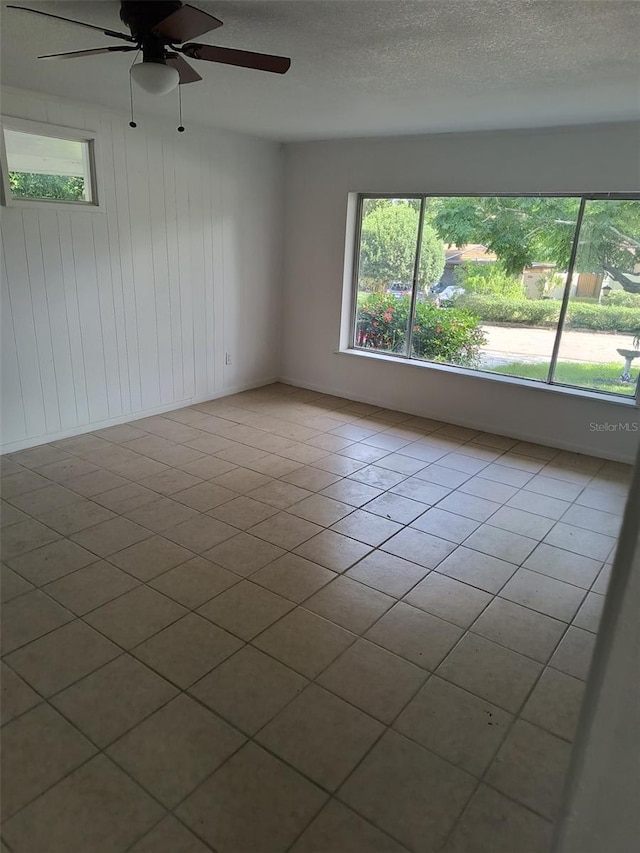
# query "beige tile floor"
(282, 621)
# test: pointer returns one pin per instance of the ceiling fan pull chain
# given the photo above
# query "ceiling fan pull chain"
(132, 122)
(180, 126)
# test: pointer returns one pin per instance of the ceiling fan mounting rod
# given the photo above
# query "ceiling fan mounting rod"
(153, 48)
(141, 16)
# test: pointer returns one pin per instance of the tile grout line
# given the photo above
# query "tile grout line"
(242, 578)
(248, 578)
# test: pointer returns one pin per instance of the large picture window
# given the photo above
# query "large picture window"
(542, 288)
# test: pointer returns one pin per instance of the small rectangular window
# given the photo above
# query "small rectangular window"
(47, 164)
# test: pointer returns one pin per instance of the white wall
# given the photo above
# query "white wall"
(111, 315)
(318, 178)
(600, 810)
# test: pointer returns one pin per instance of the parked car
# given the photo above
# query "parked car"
(449, 293)
(442, 295)
(399, 288)
(439, 286)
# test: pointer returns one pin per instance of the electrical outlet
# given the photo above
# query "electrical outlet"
(227, 358)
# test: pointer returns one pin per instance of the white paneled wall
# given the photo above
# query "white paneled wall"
(112, 314)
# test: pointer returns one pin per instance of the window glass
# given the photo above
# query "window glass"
(490, 280)
(48, 167)
(491, 285)
(386, 266)
(600, 342)
(500, 294)
(503, 264)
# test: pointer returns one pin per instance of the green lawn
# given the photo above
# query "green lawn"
(601, 377)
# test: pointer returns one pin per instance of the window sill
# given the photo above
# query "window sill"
(43, 204)
(493, 377)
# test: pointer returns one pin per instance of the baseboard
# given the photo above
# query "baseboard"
(524, 435)
(34, 441)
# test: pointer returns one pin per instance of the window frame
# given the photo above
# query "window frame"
(547, 384)
(38, 128)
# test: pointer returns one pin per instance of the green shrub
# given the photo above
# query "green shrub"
(500, 309)
(31, 185)
(622, 299)
(489, 279)
(446, 334)
(548, 282)
(439, 334)
(602, 318)
(546, 312)
(382, 321)
(388, 244)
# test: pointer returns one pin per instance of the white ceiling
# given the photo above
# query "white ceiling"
(365, 67)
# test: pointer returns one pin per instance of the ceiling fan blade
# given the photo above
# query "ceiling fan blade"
(91, 52)
(112, 33)
(185, 23)
(243, 58)
(186, 72)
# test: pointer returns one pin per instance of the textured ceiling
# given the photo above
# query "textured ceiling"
(365, 67)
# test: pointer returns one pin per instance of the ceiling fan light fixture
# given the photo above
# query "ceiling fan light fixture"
(155, 77)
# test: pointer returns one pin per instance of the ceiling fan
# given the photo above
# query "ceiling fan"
(162, 30)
